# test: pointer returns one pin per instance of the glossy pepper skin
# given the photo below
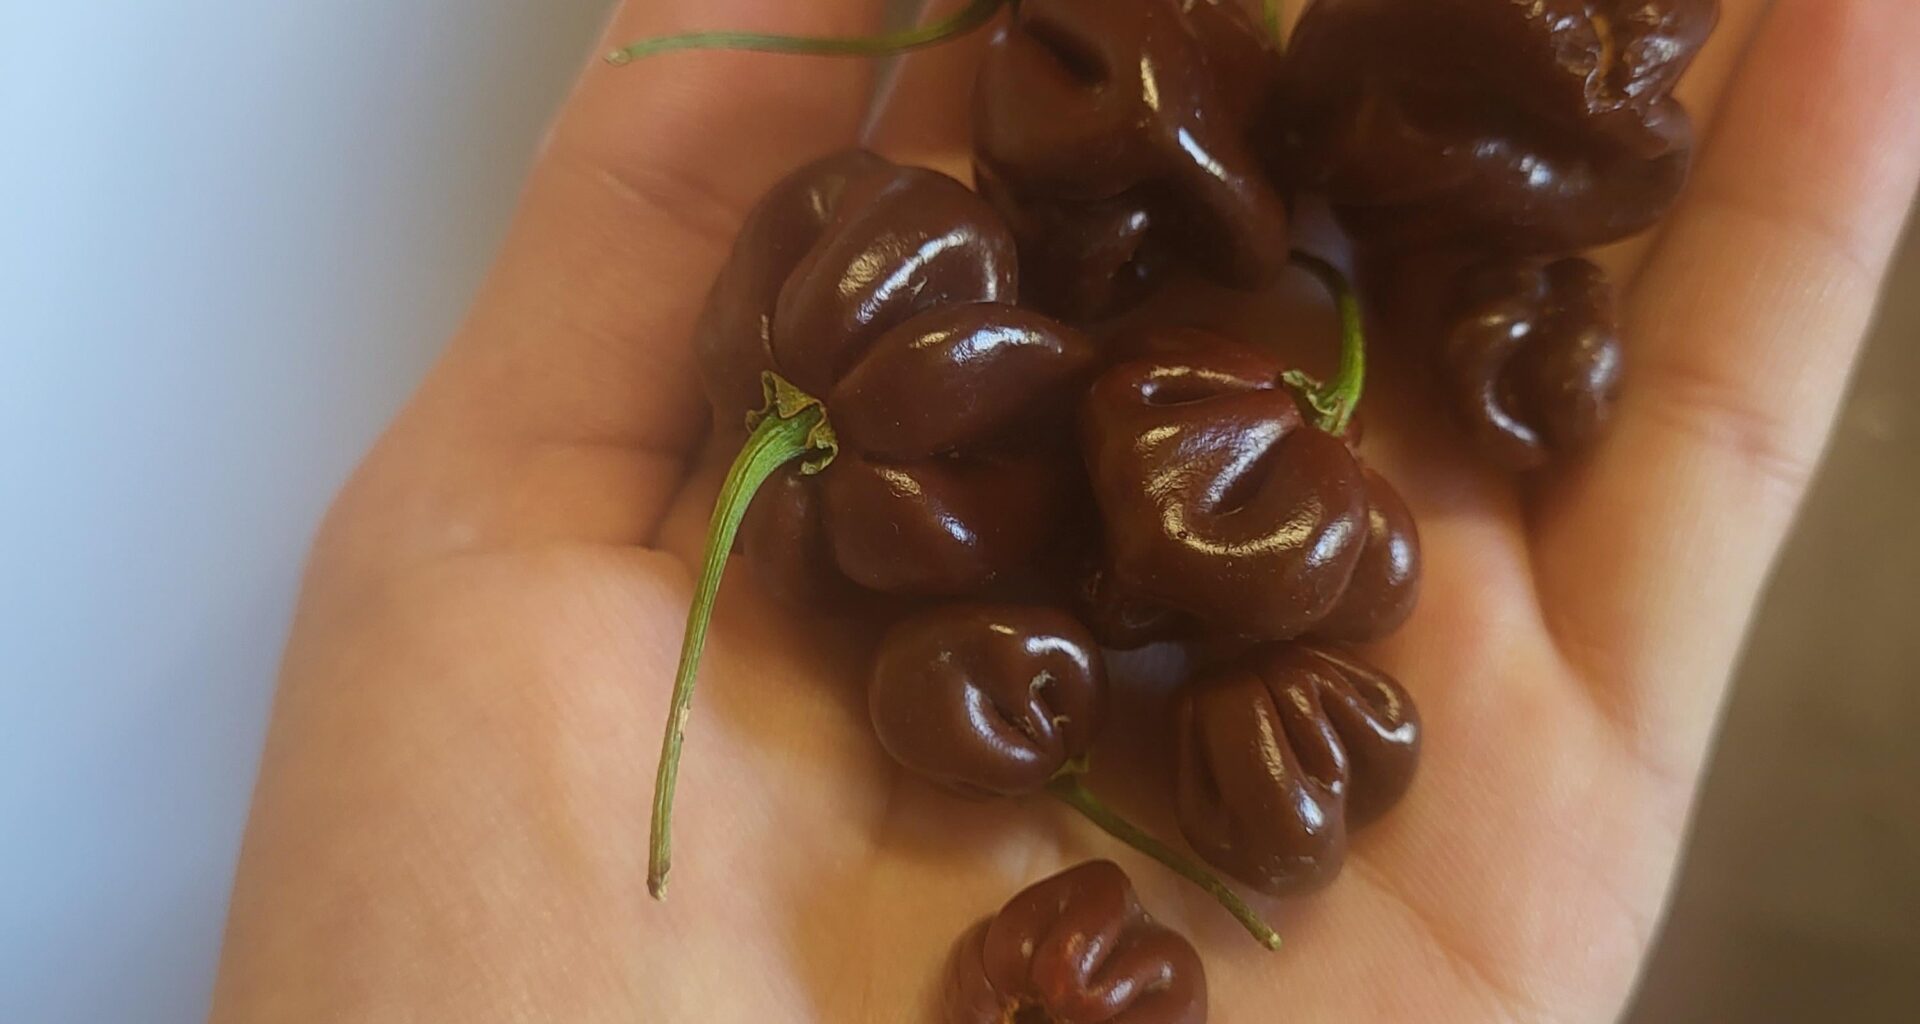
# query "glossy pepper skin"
(1121, 620)
(1222, 502)
(1116, 136)
(1282, 754)
(1533, 357)
(987, 699)
(1542, 127)
(1075, 948)
(888, 294)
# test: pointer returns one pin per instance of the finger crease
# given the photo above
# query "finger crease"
(1717, 414)
(682, 197)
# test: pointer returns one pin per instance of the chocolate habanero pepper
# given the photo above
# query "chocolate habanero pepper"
(1076, 948)
(1543, 127)
(1533, 358)
(988, 699)
(863, 330)
(1281, 755)
(1004, 700)
(1116, 137)
(886, 293)
(1228, 490)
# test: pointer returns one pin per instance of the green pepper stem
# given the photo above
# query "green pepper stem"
(965, 20)
(1337, 399)
(1274, 13)
(1067, 788)
(792, 426)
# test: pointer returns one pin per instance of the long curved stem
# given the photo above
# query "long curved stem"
(792, 426)
(959, 23)
(1068, 789)
(1337, 399)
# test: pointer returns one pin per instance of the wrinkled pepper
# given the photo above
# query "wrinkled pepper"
(1076, 948)
(1543, 127)
(1117, 136)
(1230, 493)
(1282, 754)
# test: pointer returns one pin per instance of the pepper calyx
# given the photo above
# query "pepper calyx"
(785, 401)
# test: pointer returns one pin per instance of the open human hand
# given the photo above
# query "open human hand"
(451, 818)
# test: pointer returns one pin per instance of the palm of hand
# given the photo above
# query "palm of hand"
(1520, 876)
(452, 816)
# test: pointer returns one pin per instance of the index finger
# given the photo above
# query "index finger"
(568, 403)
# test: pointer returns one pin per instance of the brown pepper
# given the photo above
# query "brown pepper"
(886, 294)
(1221, 501)
(1542, 127)
(1533, 358)
(1076, 948)
(1284, 752)
(989, 700)
(1116, 137)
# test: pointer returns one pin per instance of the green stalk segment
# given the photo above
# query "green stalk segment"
(957, 24)
(1337, 399)
(1067, 788)
(792, 425)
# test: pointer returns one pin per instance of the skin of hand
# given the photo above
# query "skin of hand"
(450, 822)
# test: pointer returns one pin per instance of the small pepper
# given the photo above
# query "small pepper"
(887, 292)
(1542, 127)
(1076, 948)
(1283, 753)
(1533, 357)
(988, 700)
(1005, 700)
(863, 328)
(1221, 498)
(1116, 136)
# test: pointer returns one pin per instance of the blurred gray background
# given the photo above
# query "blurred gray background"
(233, 233)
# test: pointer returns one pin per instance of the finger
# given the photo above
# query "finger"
(1745, 324)
(650, 170)
(1700, 91)
(926, 106)
(565, 406)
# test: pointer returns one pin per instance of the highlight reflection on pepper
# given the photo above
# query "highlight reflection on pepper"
(1541, 128)
(1117, 138)
(1076, 948)
(887, 293)
(1221, 501)
(1284, 752)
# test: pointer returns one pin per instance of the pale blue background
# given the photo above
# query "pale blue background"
(232, 233)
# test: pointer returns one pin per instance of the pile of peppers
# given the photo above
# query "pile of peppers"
(943, 432)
